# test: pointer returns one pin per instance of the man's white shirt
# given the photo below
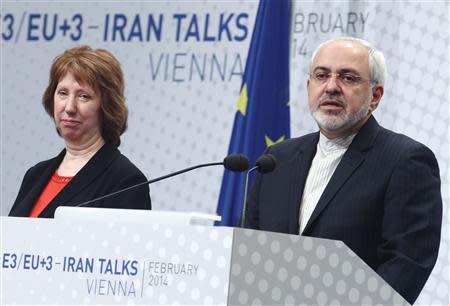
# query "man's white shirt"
(328, 155)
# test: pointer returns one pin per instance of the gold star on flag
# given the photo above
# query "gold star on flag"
(242, 101)
(270, 142)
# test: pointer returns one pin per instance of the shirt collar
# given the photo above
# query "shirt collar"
(336, 144)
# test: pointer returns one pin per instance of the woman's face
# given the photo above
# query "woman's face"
(77, 111)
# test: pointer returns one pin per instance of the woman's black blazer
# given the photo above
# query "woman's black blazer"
(106, 172)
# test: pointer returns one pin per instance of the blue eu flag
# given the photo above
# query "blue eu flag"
(262, 116)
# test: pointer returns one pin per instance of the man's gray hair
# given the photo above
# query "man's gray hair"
(377, 64)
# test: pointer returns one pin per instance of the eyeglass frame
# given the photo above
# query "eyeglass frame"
(330, 74)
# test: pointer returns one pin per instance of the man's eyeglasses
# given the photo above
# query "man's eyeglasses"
(345, 78)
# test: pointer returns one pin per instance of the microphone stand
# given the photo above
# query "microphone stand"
(265, 164)
(149, 182)
(244, 204)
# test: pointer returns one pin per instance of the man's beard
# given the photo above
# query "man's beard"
(338, 120)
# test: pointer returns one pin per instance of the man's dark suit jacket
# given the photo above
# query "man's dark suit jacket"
(107, 171)
(383, 201)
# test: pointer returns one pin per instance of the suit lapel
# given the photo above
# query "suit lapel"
(39, 184)
(95, 167)
(352, 159)
(298, 169)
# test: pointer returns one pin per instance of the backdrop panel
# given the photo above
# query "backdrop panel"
(415, 40)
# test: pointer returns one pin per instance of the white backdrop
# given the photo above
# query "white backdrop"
(181, 115)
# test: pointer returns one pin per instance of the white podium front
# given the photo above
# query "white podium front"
(46, 261)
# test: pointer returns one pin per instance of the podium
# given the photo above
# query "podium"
(51, 261)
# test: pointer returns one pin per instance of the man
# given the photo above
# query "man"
(354, 181)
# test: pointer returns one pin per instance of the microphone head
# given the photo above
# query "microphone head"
(236, 162)
(266, 163)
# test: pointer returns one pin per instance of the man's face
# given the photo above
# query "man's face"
(340, 95)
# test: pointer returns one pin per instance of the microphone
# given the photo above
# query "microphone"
(264, 164)
(232, 162)
(236, 162)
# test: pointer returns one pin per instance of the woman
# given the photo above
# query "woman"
(85, 97)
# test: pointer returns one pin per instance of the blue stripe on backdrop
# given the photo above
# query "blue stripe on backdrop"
(262, 116)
